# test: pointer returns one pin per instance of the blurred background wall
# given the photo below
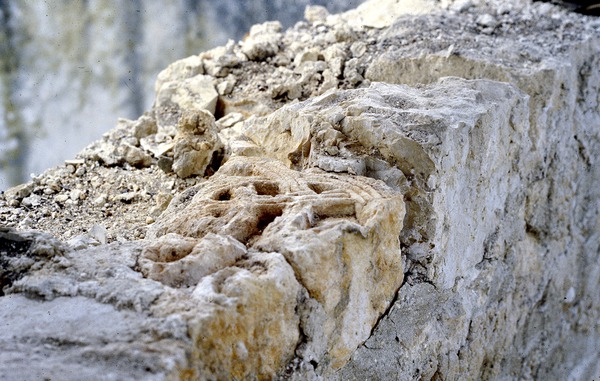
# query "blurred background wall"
(69, 69)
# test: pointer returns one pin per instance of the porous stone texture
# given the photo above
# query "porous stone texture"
(349, 199)
(338, 233)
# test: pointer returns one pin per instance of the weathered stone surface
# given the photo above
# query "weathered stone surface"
(22, 252)
(254, 258)
(195, 143)
(536, 173)
(192, 94)
(262, 41)
(133, 155)
(427, 137)
(285, 261)
(338, 233)
(84, 312)
(144, 126)
(179, 70)
(208, 330)
(176, 260)
(245, 323)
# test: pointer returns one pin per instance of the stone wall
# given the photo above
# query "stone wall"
(404, 191)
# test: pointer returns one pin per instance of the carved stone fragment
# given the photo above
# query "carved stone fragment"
(339, 234)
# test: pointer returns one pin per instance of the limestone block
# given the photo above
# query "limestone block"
(249, 327)
(421, 132)
(326, 227)
(196, 141)
(285, 263)
(133, 155)
(192, 94)
(288, 140)
(516, 205)
(144, 126)
(226, 86)
(179, 70)
(196, 93)
(308, 55)
(335, 56)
